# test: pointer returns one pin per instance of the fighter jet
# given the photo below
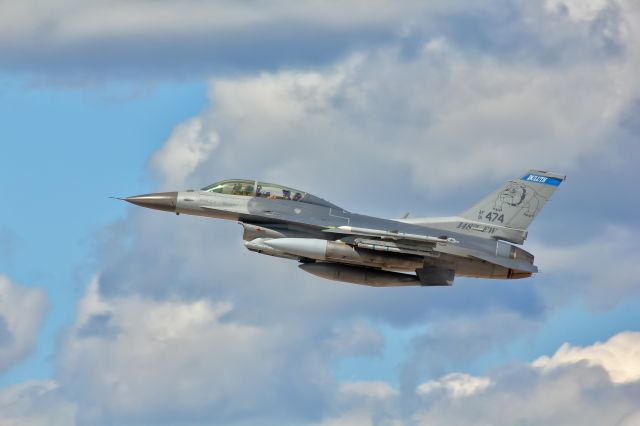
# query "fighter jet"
(333, 243)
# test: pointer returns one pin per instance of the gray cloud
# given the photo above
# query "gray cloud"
(450, 343)
(98, 325)
(574, 386)
(584, 389)
(189, 362)
(6, 336)
(174, 39)
(601, 271)
(36, 403)
(594, 384)
(70, 39)
(22, 311)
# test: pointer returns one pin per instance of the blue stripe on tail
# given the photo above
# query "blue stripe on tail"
(542, 179)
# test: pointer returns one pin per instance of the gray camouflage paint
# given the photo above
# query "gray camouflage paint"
(369, 250)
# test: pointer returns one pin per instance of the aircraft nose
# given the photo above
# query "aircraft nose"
(165, 201)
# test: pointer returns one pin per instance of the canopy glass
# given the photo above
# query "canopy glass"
(253, 188)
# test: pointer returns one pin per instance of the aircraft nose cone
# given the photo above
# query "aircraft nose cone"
(165, 201)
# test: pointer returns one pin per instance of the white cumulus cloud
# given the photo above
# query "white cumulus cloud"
(457, 385)
(595, 384)
(133, 356)
(618, 356)
(189, 145)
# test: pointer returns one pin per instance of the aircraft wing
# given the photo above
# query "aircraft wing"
(389, 235)
(421, 245)
(388, 241)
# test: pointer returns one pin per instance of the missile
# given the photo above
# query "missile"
(359, 275)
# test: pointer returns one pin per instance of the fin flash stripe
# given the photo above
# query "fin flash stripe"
(542, 179)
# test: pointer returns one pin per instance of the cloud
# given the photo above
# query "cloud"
(132, 321)
(184, 326)
(22, 311)
(430, 124)
(358, 338)
(567, 388)
(457, 385)
(577, 10)
(174, 39)
(451, 343)
(602, 270)
(146, 40)
(35, 403)
(188, 146)
(618, 357)
(559, 389)
(376, 129)
(363, 402)
(179, 360)
(367, 389)
(133, 359)
(226, 364)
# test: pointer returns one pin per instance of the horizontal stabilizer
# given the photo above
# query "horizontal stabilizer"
(516, 265)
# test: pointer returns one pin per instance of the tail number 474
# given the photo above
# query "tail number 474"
(494, 217)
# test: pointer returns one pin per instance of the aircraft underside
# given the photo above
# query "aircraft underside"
(368, 262)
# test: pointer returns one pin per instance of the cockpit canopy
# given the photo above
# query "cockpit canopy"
(252, 188)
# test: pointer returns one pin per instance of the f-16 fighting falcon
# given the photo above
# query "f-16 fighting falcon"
(335, 244)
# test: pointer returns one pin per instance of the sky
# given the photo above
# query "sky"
(112, 314)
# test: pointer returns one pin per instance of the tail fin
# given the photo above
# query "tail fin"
(517, 202)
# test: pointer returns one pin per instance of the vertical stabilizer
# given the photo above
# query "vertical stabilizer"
(517, 203)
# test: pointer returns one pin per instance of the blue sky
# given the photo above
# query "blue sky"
(75, 146)
(112, 314)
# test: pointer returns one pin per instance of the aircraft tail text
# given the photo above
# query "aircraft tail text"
(517, 202)
(506, 213)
